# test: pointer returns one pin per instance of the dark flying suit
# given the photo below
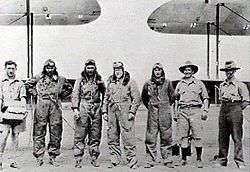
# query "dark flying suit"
(156, 96)
(121, 98)
(49, 91)
(86, 97)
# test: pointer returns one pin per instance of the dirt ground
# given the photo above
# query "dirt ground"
(66, 159)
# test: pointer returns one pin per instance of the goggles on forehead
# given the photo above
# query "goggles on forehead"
(158, 65)
(90, 62)
(118, 65)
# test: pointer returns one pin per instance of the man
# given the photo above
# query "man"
(121, 102)
(234, 97)
(49, 88)
(86, 100)
(157, 96)
(11, 90)
(192, 107)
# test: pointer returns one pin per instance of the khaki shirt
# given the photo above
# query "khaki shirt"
(11, 90)
(233, 91)
(192, 92)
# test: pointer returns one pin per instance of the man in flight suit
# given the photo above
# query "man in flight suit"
(157, 96)
(86, 100)
(121, 102)
(192, 106)
(49, 88)
(234, 97)
(11, 90)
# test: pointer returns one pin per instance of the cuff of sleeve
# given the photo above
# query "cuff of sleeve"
(132, 112)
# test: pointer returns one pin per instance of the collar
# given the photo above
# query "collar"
(6, 78)
(190, 81)
(232, 81)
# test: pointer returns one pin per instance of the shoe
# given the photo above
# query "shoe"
(39, 162)
(78, 164)
(199, 164)
(112, 165)
(52, 161)
(183, 162)
(14, 165)
(240, 165)
(219, 164)
(148, 165)
(134, 167)
(169, 164)
(1, 166)
(95, 163)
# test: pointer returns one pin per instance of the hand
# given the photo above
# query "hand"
(105, 116)
(175, 119)
(131, 116)
(76, 115)
(204, 115)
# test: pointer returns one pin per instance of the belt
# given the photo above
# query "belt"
(189, 106)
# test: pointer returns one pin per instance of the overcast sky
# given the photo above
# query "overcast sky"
(120, 33)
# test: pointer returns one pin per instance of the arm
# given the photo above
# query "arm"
(205, 97)
(171, 93)
(244, 93)
(66, 88)
(30, 84)
(102, 88)
(144, 95)
(75, 97)
(135, 96)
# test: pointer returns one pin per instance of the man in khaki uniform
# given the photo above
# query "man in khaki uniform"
(192, 106)
(234, 97)
(49, 88)
(121, 102)
(157, 96)
(86, 103)
(11, 91)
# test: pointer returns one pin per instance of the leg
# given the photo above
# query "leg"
(128, 138)
(4, 133)
(113, 134)
(151, 136)
(39, 129)
(95, 133)
(55, 130)
(183, 132)
(166, 135)
(197, 133)
(81, 130)
(237, 132)
(224, 137)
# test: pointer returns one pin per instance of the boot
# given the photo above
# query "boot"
(52, 161)
(78, 163)
(39, 161)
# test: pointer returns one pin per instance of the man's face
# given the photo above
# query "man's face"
(230, 74)
(118, 73)
(10, 70)
(50, 70)
(90, 69)
(157, 72)
(188, 72)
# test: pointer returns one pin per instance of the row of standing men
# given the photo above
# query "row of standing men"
(117, 104)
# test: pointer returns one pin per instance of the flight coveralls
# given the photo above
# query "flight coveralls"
(86, 97)
(157, 99)
(232, 95)
(49, 91)
(121, 98)
(192, 94)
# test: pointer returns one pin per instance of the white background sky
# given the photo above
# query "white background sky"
(120, 33)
